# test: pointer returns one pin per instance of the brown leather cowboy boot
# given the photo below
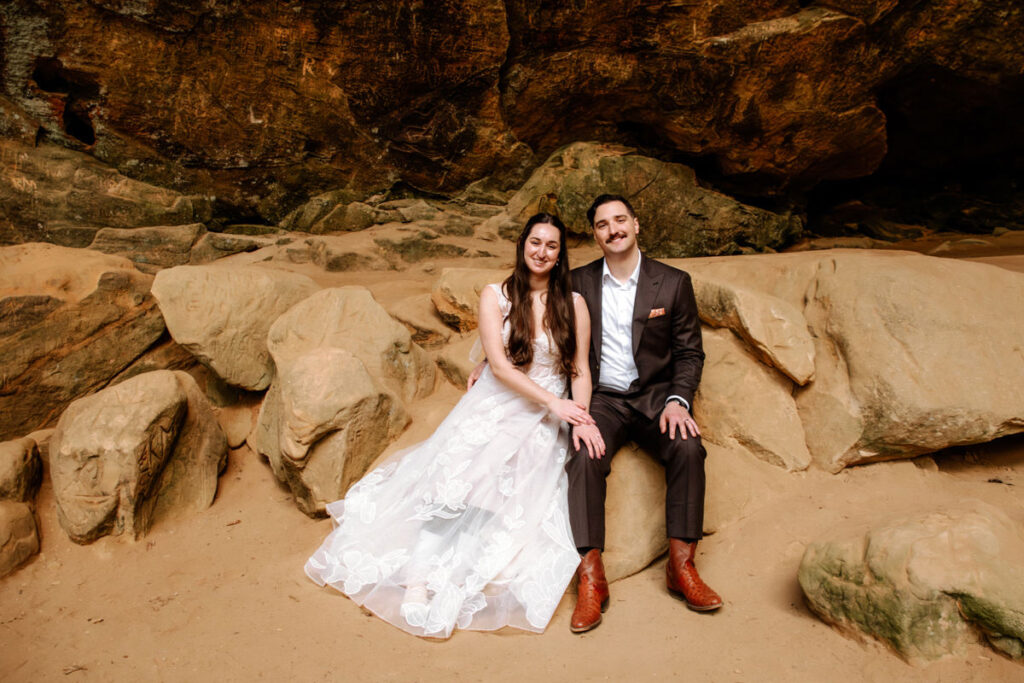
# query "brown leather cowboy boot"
(683, 580)
(591, 593)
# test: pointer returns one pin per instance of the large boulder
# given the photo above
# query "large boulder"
(456, 295)
(323, 422)
(222, 314)
(70, 320)
(678, 217)
(926, 585)
(349, 318)
(742, 403)
(19, 535)
(150, 248)
(21, 470)
(146, 449)
(910, 351)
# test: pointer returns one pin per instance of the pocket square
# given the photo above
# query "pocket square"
(656, 312)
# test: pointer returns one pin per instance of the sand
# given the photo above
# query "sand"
(222, 595)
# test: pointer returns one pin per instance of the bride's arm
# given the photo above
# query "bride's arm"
(490, 322)
(582, 385)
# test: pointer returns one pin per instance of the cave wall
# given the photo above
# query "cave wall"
(266, 103)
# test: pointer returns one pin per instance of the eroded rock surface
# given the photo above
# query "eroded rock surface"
(58, 195)
(746, 404)
(926, 585)
(19, 535)
(774, 330)
(70, 321)
(349, 318)
(456, 295)
(145, 449)
(21, 470)
(222, 314)
(150, 248)
(323, 422)
(773, 94)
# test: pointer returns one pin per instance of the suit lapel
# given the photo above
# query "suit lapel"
(647, 286)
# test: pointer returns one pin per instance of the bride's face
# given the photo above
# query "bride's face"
(541, 248)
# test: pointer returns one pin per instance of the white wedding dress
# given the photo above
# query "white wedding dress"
(468, 529)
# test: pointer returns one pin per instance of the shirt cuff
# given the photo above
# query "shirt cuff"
(686, 404)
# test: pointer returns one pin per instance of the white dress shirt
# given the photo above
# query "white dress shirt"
(618, 366)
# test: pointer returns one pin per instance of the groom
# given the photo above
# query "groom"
(645, 360)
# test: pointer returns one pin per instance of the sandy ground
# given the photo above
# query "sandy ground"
(222, 595)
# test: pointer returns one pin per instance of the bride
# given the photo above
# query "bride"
(469, 529)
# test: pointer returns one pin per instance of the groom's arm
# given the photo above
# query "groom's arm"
(687, 347)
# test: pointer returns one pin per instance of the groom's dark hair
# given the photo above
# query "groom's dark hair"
(607, 199)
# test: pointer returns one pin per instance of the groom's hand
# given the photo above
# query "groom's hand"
(673, 417)
(475, 375)
(589, 436)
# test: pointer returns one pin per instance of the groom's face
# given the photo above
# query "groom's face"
(615, 229)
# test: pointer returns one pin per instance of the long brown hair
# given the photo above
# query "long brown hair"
(559, 313)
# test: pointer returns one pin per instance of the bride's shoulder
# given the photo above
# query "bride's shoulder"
(499, 289)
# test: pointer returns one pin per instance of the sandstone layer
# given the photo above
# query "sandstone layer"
(71, 321)
(770, 97)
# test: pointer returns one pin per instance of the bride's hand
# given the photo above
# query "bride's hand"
(572, 412)
(589, 436)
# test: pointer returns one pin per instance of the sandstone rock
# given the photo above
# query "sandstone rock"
(306, 216)
(70, 320)
(323, 422)
(349, 318)
(457, 360)
(926, 585)
(347, 218)
(677, 216)
(924, 357)
(222, 315)
(150, 248)
(775, 330)
(457, 294)
(146, 449)
(413, 244)
(899, 370)
(335, 254)
(46, 189)
(634, 513)
(420, 317)
(237, 422)
(742, 403)
(21, 470)
(767, 95)
(165, 354)
(19, 536)
(215, 245)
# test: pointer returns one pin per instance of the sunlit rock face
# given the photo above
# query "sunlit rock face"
(265, 104)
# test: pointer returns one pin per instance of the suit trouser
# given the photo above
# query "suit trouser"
(683, 460)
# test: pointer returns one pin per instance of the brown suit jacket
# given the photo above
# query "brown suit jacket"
(667, 345)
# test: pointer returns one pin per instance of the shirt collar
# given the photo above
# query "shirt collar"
(606, 275)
